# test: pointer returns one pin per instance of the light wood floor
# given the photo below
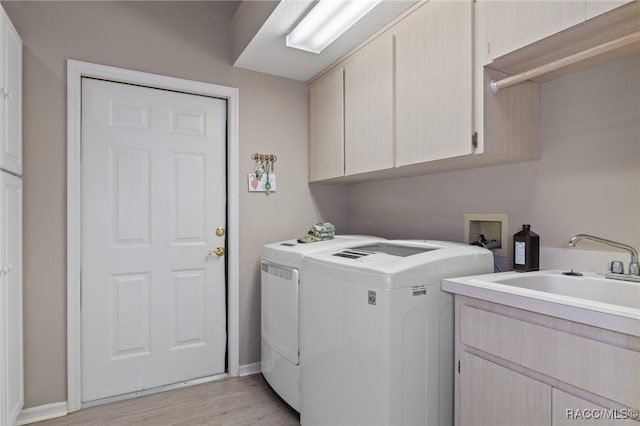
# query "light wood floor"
(231, 401)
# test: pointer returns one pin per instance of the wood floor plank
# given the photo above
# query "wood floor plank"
(233, 401)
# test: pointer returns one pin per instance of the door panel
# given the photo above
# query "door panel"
(11, 376)
(188, 195)
(189, 319)
(368, 108)
(11, 104)
(153, 193)
(131, 197)
(130, 303)
(433, 103)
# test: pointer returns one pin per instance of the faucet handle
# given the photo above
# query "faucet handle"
(616, 267)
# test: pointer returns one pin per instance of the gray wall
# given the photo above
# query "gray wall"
(587, 180)
(182, 39)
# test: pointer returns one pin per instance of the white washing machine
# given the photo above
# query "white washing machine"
(280, 283)
(377, 332)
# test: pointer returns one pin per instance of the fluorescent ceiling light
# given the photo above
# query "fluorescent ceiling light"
(327, 21)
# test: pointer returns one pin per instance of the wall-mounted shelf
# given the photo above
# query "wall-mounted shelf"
(604, 38)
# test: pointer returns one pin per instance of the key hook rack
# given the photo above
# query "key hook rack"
(262, 158)
(264, 173)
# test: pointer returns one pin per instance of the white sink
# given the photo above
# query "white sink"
(591, 299)
(595, 288)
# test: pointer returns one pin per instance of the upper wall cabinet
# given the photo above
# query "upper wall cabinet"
(326, 126)
(417, 97)
(511, 25)
(434, 82)
(368, 107)
(414, 103)
(598, 7)
(10, 97)
(514, 24)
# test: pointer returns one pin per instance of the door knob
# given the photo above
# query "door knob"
(218, 251)
(219, 231)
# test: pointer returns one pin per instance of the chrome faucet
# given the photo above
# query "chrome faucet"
(634, 268)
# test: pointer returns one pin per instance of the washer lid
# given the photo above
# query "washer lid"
(291, 252)
(399, 264)
(383, 247)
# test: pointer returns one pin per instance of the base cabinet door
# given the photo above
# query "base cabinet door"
(569, 410)
(491, 395)
(11, 364)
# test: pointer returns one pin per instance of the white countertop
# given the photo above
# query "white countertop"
(569, 306)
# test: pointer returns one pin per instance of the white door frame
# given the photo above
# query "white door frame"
(75, 71)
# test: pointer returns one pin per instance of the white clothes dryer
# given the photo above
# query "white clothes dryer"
(280, 284)
(377, 332)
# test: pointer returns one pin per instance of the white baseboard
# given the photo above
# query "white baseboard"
(42, 412)
(249, 369)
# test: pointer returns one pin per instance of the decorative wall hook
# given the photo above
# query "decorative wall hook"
(264, 158)
(263, 169)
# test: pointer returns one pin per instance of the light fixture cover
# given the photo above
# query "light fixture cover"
(327, 21)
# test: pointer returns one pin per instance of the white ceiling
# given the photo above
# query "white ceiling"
(267, 51)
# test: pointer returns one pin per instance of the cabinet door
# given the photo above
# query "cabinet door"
(568, 410)
(368, 98)
(492, 395)
(434, 82)
(11, 366)
(11, 98)
(517, 23)
(326, 126)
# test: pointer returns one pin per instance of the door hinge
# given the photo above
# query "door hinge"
(489, 48)
(458, 366)
(474, 140)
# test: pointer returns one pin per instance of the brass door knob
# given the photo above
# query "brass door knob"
(219, 231)
(218, 251)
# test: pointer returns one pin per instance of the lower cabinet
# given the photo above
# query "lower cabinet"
(569, 410)
(518, 367)
(491, 395)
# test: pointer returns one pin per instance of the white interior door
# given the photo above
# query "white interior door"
(153, 194)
